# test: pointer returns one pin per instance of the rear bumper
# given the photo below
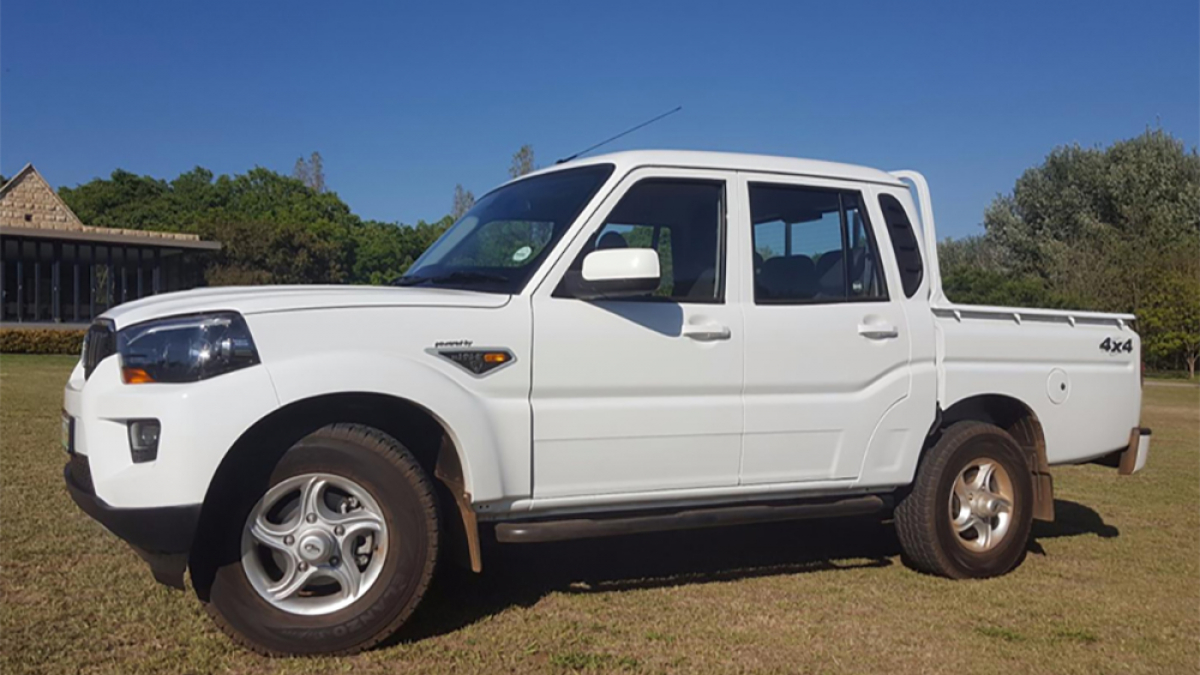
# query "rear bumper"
(1133, 458)
(161, 535)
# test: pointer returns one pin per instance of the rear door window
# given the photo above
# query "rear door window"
(812, 245)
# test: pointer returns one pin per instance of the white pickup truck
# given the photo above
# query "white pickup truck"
(629, 343)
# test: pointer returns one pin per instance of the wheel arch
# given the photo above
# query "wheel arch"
(1022, 423)
(249, 461)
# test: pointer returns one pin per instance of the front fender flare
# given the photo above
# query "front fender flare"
(464, 415)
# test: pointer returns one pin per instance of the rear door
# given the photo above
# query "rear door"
(827, 345)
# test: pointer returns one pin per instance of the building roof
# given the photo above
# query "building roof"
(733, 161)
(29, 207)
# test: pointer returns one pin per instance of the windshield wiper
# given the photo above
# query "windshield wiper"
(460, 276)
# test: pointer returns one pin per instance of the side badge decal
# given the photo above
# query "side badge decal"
(478, 360)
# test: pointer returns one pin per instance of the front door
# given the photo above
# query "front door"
(643, 394)
(827, 345)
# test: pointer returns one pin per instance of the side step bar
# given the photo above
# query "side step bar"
(528, 532)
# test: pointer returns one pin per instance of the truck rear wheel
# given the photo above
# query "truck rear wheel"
(335, 554)
(971, 506)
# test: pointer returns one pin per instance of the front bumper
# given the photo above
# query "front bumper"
(200, 422)
(161, 535)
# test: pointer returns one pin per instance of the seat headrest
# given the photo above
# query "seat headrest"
(829, 272)
(788, 277)
(611, 240)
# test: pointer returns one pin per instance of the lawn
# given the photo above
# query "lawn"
(1112, 587)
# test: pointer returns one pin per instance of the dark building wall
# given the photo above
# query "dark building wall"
(66, 281)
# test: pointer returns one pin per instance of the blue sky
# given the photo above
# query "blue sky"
(404, 101)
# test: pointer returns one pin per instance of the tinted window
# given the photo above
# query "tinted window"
(683, 221)
(812, 245)
(904, 244)
(865, 276)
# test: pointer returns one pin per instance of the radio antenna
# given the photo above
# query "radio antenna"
(623, 133)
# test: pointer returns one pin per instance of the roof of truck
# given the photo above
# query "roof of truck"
(733, 161)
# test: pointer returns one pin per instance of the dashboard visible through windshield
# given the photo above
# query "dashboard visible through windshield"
(501, 241)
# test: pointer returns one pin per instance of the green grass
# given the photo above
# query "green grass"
(1112, 587)
(1170, 375)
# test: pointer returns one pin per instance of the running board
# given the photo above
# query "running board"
(529, 532)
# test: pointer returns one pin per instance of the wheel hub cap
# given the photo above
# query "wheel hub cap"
(314, 544)
(981, 505)
(314, 548)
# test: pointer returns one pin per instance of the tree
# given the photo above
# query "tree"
(977, 286)
(522, 162)
(463, 201)
(1094, 222)
(973, 252)
(1170, 321)
(384, 251)
(318, 172)
(301, 172)
(274, 228)
(267, 251)
(1113, 229)
(310, 172)
(125, 200)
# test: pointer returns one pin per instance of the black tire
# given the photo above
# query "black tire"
(404, 493)
(923, 520)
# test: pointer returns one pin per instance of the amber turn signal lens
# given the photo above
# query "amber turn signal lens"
(135, 376)
(478, 362)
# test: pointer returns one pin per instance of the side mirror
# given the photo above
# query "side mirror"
(619, 272)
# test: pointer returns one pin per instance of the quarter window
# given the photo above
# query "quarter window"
(904, 244)
(812, 245)
(683, 221)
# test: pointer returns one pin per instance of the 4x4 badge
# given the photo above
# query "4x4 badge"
(1116, 346)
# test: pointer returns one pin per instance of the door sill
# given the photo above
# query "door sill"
(673, 498)
(562, 529)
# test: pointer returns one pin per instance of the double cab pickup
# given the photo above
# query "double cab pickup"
(622, 344)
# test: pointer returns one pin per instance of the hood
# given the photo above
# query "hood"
(261, 299)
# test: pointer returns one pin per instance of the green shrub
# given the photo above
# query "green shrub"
(40, 341)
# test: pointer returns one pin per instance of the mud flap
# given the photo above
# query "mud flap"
(1043, 496)
(1133, 458)
(449, 471)
(1043, 487)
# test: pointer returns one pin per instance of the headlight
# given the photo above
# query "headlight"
(185, 348)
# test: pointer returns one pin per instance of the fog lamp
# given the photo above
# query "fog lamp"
(143, 439)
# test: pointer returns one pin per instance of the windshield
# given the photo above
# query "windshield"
(501, 241)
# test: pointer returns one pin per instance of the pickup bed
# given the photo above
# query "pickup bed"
(628, 343)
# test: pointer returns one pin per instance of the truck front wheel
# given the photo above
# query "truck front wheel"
(970, 509)
(337, 551)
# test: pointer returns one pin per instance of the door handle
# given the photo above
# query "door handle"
(877, 331)
(706, 332)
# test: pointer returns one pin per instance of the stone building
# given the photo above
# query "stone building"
(56, 270)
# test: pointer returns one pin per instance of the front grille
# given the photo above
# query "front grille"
(80, 473)
(99, 343)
